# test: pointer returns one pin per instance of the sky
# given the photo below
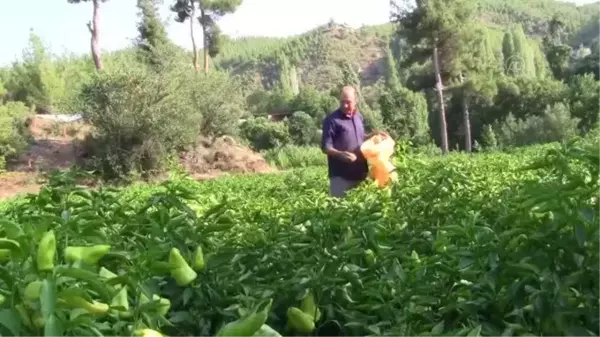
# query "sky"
(62, 26)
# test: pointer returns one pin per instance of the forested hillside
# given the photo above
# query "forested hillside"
(317, 53)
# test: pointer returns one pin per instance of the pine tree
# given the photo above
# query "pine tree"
(508, 52)
(209, 13)
(523, 52)
(153, 34)
(391, 75)
(437, 30)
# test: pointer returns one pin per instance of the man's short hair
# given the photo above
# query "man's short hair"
(349, 88)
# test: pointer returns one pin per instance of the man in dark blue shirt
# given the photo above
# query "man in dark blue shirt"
(343, 134)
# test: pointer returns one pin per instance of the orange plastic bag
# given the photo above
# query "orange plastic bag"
(378, 151)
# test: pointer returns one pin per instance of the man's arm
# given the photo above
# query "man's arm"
(327, 138)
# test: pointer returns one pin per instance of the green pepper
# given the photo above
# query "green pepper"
(266, 331)
(32, 290)
(144, 299)
(199, 259)
(248, 325)
(90, 255)
(121, 300)
(147, 333)
(2, 299)
(164, 303)
(46, 252)
(180, 269)
(300, 321)
(308, 306)
(369, 257)
(92, 308)
(107, 274)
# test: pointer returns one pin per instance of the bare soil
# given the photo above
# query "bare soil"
(57, 146)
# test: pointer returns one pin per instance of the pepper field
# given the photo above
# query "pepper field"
(489, 244)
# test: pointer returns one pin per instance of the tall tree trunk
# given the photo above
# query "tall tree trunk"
(466, 119)
(205, 50)
(194, 48)
(440, 88)
(95, 35)
(205, 42)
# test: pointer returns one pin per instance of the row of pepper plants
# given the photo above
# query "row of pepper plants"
(492, 244)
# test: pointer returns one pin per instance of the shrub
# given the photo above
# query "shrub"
(556, 124)
(13, 130)
(264, 134)
(139, 117)
(217, 101)
(292, 156)
(302, 128)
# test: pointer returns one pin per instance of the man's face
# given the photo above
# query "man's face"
(348, 104)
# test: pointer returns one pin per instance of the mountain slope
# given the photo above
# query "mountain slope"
(317, 54)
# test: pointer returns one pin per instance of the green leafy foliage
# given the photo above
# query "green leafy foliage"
(302, 128)
(555, 124)
(13, 130)
(405, 115)
(264, 134)
(485, 245)
(139, 117)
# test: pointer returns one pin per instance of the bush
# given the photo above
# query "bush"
(488, 138)
(405, 114)
(13, 130)
(314, 103)
(554, 125)
(139, 117)
(216, 99)
(264, 134)
(302, 128)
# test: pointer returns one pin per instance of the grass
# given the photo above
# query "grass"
(291, 156)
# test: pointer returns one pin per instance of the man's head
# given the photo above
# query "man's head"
(348, 100)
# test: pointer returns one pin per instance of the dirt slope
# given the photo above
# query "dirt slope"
(57, 146)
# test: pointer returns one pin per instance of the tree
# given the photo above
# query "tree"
(152, 32)
(313, 103)
(36, 81)
(508, 52)
(285, 80)
(2, 91)
(210, 12)
(557, 53)
(478, 68)
(94, 27)
(302, 128)
(404, 112)
(350, 77)
(391, 76)
(437, 29)
(523, 52)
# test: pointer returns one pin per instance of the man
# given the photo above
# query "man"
(343, 134)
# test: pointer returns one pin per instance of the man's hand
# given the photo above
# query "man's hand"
(348, 157)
